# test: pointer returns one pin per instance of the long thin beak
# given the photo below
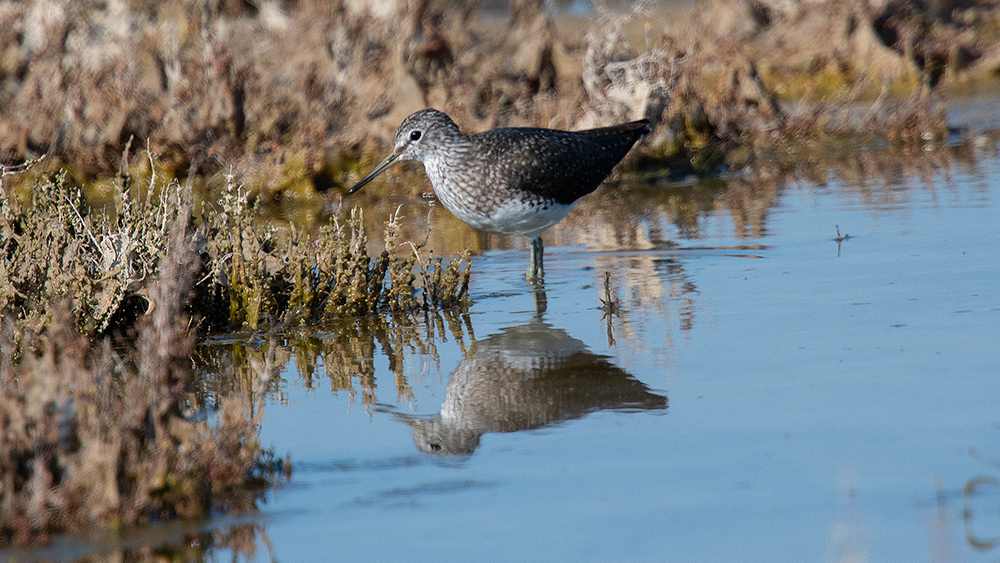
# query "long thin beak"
(382, 167)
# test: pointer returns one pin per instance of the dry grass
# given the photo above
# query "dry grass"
(55, 247)
(99, 309)
(92, 438)
(272, 277)
(251, 275)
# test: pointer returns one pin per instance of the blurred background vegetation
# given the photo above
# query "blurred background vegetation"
(299, 97)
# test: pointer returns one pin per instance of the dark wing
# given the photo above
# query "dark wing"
(558, 165)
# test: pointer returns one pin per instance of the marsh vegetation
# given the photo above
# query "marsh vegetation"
(101, 309)
(117, 263)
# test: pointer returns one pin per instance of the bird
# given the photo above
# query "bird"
(511, 180)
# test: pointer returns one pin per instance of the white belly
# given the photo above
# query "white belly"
(496, 210)
(512, 217)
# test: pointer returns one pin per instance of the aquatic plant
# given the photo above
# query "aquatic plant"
(251, 273)
(99, 310)
(96, 438)
(294, 276)
(55, 247)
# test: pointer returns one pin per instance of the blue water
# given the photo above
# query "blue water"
(818, 403)
(765, 393)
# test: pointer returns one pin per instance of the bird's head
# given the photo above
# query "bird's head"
(417, 138)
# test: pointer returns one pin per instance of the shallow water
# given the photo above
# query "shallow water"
(763, 392)
(777, 396)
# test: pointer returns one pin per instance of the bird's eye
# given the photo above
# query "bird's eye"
(415, 136)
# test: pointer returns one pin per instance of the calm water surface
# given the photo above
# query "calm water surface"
(764, 393)
(764, 396)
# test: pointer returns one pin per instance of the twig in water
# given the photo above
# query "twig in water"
(840, 239)
(610, 307)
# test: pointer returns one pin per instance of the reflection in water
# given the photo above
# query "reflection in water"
(342, 354)
(982, 539)
(179, 541)
(646, 288)
(847, 537)
(979, 496)
(526, 377)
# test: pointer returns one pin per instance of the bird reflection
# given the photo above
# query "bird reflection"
(526, 377)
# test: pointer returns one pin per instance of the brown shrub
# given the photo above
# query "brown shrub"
(91, 439)
(93, 436)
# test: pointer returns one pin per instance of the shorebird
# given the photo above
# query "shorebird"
(514, 180)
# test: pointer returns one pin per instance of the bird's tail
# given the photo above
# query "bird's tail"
(640, 128)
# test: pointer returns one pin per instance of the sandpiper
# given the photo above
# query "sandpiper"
(512, 181)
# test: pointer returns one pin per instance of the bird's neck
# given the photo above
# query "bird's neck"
(443, 161)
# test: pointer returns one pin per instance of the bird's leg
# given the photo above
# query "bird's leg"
(541, 303)
(535, 270)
